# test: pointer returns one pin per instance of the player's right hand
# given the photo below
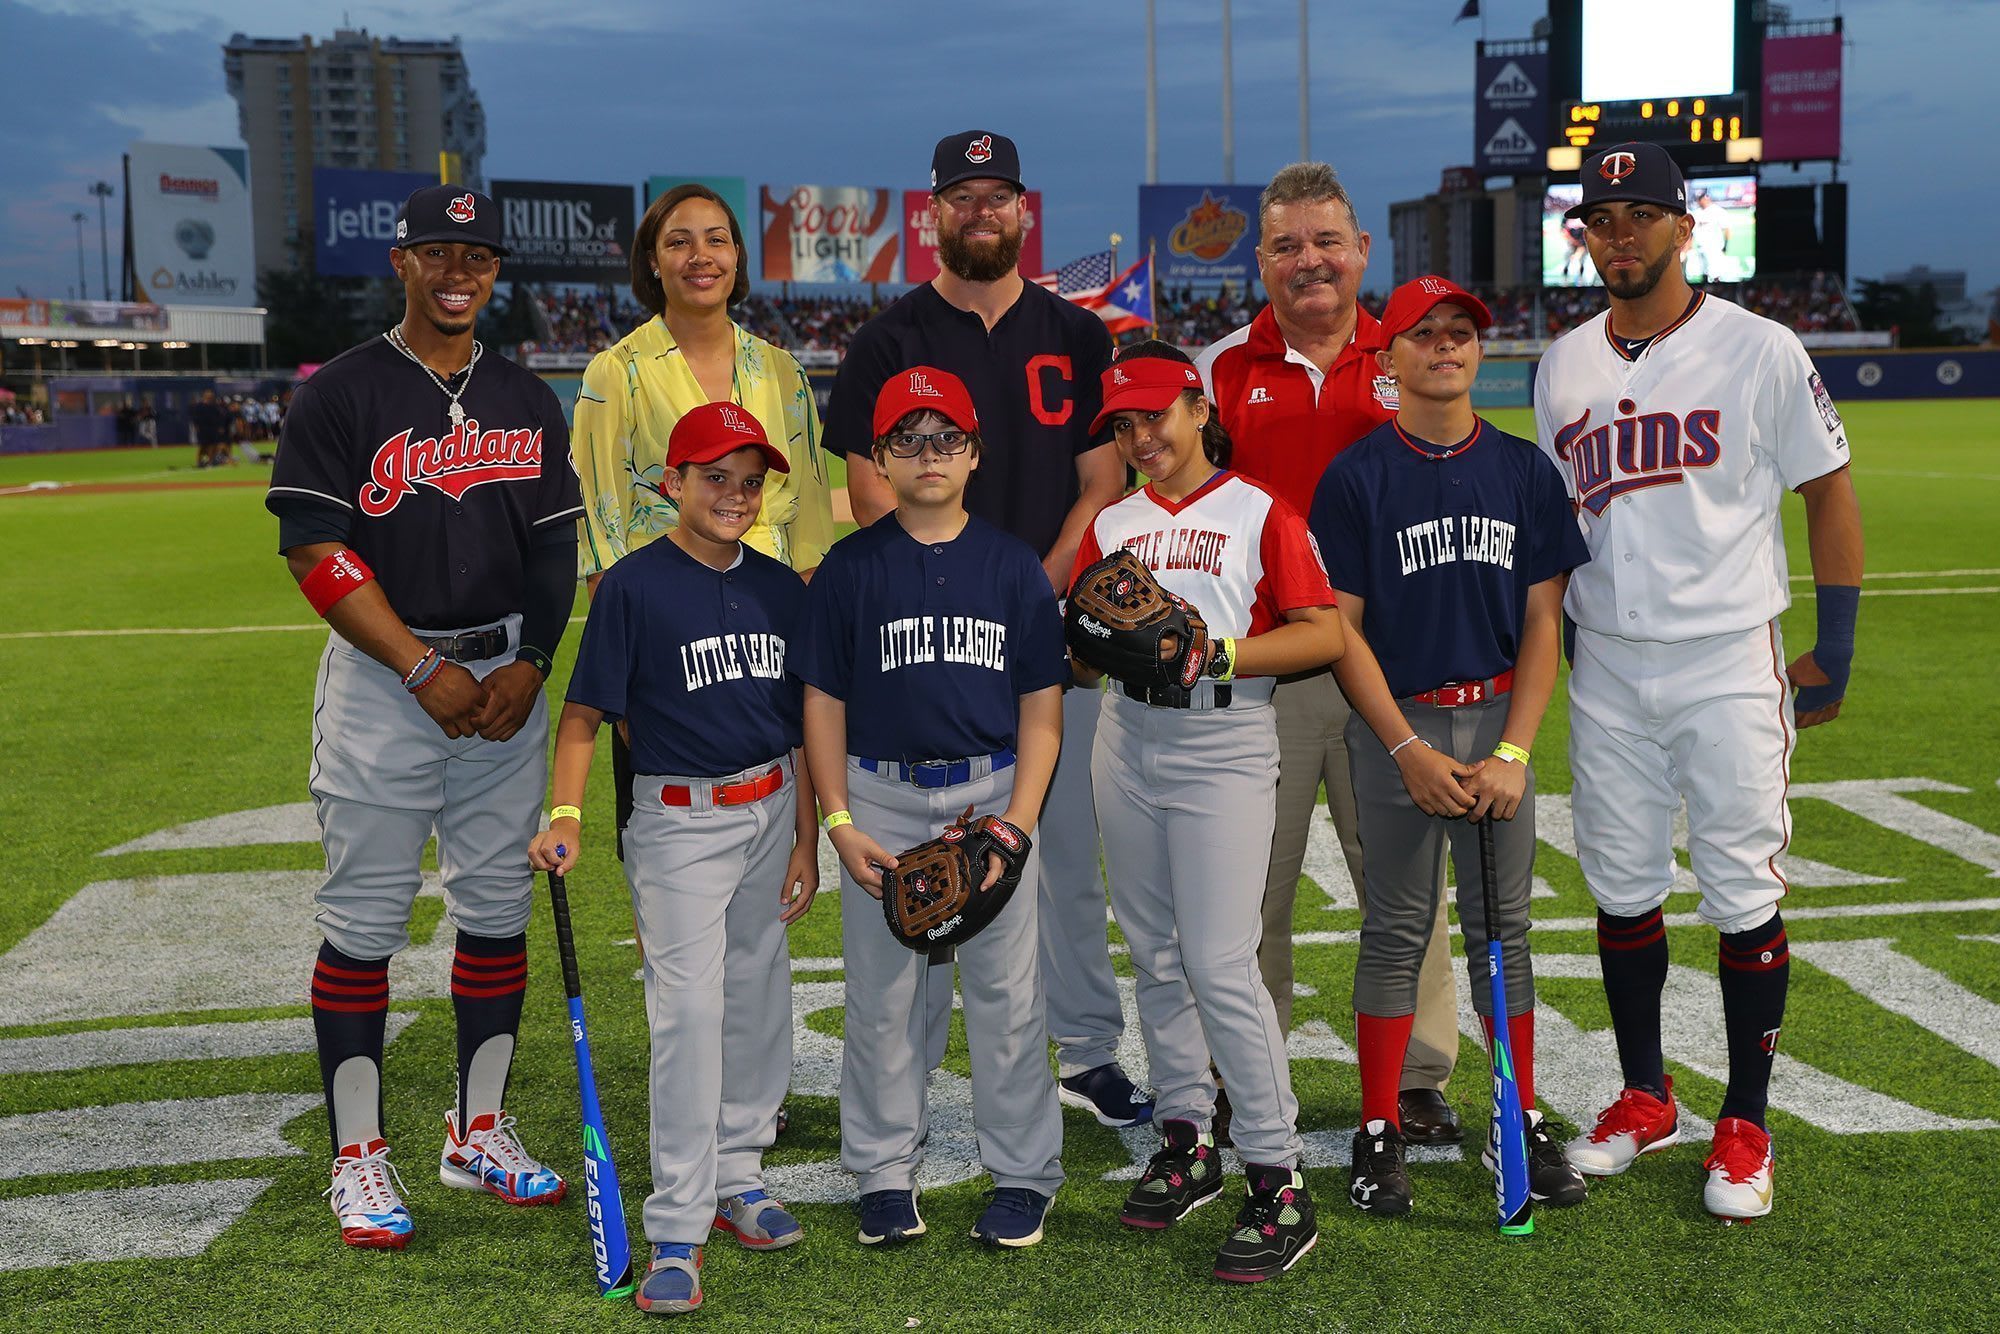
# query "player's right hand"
(864, 858)
(557, 847)
(453, 699)
(1433, 780)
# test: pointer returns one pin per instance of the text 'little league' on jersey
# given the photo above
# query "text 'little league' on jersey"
(731, 658)
(967, 639)
(1180, 549)
(1453, 538)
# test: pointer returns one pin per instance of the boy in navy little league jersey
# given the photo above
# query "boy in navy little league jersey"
(688, 640)
(934, 664)
(1449, 543)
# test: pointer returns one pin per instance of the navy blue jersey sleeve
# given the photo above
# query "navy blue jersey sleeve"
(850, 415)
(316, 452)
(604, 659)
(1558, 545)
(823, 656)
(1041, 660)
(1337, 525)
(559, 499)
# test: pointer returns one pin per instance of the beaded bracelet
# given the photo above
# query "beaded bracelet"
(422, 675)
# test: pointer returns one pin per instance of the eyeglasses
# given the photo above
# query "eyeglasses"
(909, 444)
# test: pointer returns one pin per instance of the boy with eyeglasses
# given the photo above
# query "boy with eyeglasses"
(933, 661)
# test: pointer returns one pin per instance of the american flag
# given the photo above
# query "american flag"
(1088, 276)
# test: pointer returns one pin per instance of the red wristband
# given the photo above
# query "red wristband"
(333, 579)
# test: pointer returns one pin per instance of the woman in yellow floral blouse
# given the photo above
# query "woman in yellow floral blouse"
(689, 266)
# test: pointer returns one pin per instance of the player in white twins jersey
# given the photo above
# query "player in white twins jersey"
(1680, 421)
(1186, 786)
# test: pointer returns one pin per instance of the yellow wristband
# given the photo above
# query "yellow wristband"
(835, 819)
(1507, 750)
(1228, 661)
(566, 813)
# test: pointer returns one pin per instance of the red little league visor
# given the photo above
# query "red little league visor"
(924, 389)
(1144, 384)
(1415, 299)
(717, 430)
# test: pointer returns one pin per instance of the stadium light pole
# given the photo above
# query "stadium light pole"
(1152, 103)
(1228, 103)
(82, 283)
(103, 191)
(1305, 97)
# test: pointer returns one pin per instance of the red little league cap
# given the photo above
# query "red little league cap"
(1631, 173)
(973, 155)
(1412, 301)
(449, 213)
(924, 389)
(716, 430)
(1144, 384)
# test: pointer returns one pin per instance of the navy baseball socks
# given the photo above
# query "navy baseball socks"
(489, 979)
(1632, 951)
(350, 1007)
(1755, 968)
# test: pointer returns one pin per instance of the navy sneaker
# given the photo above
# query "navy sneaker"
(672, 1285)
(1013, 1218)
(1108, 1095)
(889, 1217)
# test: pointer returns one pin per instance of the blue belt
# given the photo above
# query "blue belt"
(940, 773)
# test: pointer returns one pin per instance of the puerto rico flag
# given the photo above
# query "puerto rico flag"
(1123, 303)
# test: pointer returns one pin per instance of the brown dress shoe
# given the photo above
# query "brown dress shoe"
(1427, 1118)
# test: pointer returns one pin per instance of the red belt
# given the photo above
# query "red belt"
(728, 794)
(1453, 694)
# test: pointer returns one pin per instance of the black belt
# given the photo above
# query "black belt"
(470, 646)
(1173, 697)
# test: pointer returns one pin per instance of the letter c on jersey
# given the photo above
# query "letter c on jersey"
(1037, 401)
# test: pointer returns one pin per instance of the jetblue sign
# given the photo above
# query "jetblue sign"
(1510, 120)
(354, 218)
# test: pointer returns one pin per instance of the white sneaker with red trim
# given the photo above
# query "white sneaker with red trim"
(1739, 1171)
(365, 1198)
(489, 1157)
(1637, 1123)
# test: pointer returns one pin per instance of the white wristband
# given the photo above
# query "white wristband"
(1404, 742)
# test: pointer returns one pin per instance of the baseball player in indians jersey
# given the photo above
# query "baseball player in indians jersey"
(1680, 420)
(427, 507)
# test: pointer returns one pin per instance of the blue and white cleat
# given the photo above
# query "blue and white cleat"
(672, 1285)
(1107, 1094)
(489, 1157)
(365, 1198)
(758, 1221)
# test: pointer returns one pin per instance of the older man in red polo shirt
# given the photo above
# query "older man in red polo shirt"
(1295, 386)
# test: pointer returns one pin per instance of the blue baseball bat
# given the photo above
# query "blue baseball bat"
(610, 1248)
(1508, 1132)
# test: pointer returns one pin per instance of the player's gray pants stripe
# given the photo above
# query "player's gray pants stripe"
(384, 776)
(706, 882)
(1406, 853)
(883, 1107)
(1184, 803)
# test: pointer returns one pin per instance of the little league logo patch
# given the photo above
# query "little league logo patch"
(733, 419)
(921, 386)
(980, 149)
(460, 209)
(1388, 393)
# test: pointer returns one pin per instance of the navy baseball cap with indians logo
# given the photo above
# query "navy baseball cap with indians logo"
(1632, 174)
(975, 155)
(449, 213)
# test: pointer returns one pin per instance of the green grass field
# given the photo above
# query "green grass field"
(1887, 1197)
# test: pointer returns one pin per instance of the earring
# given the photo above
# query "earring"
(656, 273)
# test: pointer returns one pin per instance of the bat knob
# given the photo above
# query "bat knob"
(561, 851)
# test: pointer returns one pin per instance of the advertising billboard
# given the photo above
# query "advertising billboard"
(1200, 233)
(1802, 97)
(920, 243)
(188, 211)
(831, 234)
(354, 218)
(735, 192)
(1510, 117)
(1723, 248)
(561, 232)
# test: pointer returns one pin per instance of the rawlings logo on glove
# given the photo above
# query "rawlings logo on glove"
(1120, 621)
(933, 899)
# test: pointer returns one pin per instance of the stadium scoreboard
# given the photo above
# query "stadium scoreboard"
(1717, 119)
(1686, 77)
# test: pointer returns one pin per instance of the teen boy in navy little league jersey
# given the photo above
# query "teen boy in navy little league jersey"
(934, 663)
(426, 505)
(1447, 542)
(687, 640)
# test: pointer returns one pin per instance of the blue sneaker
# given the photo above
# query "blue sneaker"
(1014, 1218)
(1108, 1095)
(758, 1221)
(889, 1217)
(672, 1285)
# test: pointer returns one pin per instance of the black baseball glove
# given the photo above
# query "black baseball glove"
(1121, 622)
(933, 899)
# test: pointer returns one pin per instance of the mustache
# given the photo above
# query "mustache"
(1307, 277)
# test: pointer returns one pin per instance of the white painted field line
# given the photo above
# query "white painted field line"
(132, 1223)
(1930, 476)
(1905, 574)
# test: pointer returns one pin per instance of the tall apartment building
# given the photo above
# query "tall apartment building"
(349, 101)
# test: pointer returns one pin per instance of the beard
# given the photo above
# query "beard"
(1634, 287)
(980, 263)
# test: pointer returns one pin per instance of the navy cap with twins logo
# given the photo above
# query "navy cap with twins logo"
(449, 213)
(1632, 174)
